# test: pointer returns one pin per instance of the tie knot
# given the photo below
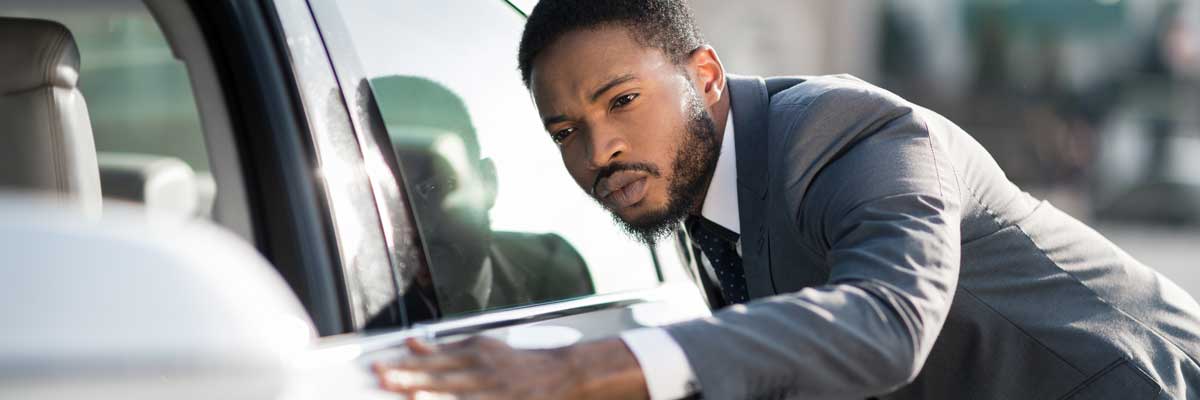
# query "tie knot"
(703, 229)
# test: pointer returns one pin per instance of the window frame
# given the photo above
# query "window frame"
(289, 214)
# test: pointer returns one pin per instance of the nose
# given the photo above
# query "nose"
(605, 145)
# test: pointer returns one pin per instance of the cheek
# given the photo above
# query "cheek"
(654, 131)
(577, 168)
(656, 142)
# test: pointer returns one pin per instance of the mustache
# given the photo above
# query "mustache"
(609, 170)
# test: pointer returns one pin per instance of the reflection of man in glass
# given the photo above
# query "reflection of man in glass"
(451, 190)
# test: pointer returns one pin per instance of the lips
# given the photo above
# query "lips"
(622, 189)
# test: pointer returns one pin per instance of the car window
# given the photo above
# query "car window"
(143, 114)
(501, 221)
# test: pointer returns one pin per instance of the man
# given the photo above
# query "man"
(452, 189)
(870, 247)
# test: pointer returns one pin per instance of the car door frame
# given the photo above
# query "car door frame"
(289, 211)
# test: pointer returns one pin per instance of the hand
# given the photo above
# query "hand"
(485, 368)
(479, 368)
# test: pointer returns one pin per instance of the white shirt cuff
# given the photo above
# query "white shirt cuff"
(665, 367)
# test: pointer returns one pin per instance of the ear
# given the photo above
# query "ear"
(487, 173)
(707, 74)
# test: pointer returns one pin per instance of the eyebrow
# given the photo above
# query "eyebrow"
(551, 120)
(595, 95)
(611, 84)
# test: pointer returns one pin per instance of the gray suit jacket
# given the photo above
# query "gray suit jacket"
(889, 256)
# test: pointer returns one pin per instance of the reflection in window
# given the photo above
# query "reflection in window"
(452, 191)
(501, 221)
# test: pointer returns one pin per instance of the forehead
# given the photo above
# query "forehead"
(582, 60)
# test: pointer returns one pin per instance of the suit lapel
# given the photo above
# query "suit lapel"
(750, 103)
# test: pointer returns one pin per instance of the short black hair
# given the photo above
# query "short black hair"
(667, 25)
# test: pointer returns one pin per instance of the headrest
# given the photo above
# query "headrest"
(162, 184)
(38, 53)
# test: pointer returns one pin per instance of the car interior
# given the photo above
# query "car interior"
(121, 105)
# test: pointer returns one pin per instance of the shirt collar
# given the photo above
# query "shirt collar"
(721, 201)
(481, 289)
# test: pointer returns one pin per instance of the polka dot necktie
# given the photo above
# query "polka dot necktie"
(718, 244)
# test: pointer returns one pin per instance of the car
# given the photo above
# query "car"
(257, 199)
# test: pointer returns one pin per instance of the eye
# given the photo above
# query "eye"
(427, 188)
(624, 100)
(561, 135)
(433, 187)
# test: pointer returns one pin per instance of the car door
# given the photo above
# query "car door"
(485, 231)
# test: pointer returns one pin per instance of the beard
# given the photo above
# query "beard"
(695, 161)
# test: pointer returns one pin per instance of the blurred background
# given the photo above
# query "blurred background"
(1093, 105)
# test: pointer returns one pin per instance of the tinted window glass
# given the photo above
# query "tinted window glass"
(501, 221)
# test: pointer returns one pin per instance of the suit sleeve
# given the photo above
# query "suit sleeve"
(884, 212)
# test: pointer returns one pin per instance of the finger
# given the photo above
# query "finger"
(402, 381)
(473, 344)
(420, 347)
(486, 395)
(432, 396)
(465, 381)
(422, 395)
(430, 363)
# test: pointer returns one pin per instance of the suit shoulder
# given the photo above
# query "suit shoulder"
(815, 123)
(833, 109)
(555, 269)
(835, 90)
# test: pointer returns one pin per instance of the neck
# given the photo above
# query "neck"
(720, 115)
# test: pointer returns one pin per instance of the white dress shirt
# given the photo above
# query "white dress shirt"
(664, 365)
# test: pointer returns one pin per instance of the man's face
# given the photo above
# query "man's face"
(447, 188)
(632, 130)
